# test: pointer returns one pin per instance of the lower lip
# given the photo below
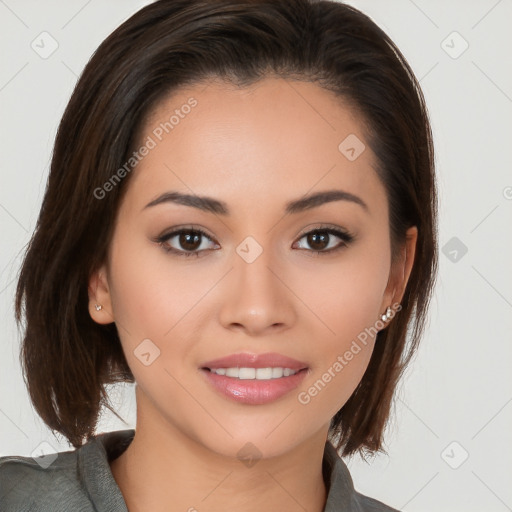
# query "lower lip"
(253, 391)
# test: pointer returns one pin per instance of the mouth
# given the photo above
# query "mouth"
(254, 379)
(268, 373)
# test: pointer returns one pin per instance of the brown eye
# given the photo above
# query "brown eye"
(185, 242)
(318, 240)
(321, 240)
(188, 241)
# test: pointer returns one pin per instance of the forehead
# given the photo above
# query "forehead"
(274, 139)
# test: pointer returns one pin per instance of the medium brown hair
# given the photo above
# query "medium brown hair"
(67, 358)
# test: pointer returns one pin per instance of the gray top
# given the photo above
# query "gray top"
(81, 480)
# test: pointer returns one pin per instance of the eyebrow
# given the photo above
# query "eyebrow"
(208, 204)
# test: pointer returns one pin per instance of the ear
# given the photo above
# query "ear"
(401, 270)
(99, 295)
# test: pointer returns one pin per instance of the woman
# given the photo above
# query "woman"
(240, 218)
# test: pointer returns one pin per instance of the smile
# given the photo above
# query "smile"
(254, 373)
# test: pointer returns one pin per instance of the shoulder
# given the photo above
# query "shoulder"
(78, 480)
(342, 494)
(367, 504)
(47, 483)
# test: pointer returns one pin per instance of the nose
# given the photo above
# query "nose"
(257, 298)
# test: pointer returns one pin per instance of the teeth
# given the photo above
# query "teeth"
(277, 373)
(232, 372)
(254, 373)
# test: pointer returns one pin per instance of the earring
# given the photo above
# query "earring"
(98, 307)
(387, 315)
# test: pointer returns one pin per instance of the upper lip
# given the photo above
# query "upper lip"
(247, 360)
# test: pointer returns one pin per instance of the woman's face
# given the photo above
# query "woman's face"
(253, 285)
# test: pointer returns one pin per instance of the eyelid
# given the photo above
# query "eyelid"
(188, 227)
(323, 227)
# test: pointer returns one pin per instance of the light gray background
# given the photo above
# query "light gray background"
(455, 401)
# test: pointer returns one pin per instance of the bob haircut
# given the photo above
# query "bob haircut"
(67, 358)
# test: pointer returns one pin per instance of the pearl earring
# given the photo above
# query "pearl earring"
(387, 315)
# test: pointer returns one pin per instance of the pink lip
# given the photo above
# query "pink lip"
(253, 391)
(243, 360)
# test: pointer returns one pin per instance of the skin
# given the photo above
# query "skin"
(255, 149)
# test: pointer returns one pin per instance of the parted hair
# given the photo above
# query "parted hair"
(67, 358)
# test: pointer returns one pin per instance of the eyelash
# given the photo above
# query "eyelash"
(346, 237)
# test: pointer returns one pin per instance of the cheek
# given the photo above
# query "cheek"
(346, 294)
(153, 291)
(346, 297)
(155, 299)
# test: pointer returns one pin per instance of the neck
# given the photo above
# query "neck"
(163, 469)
